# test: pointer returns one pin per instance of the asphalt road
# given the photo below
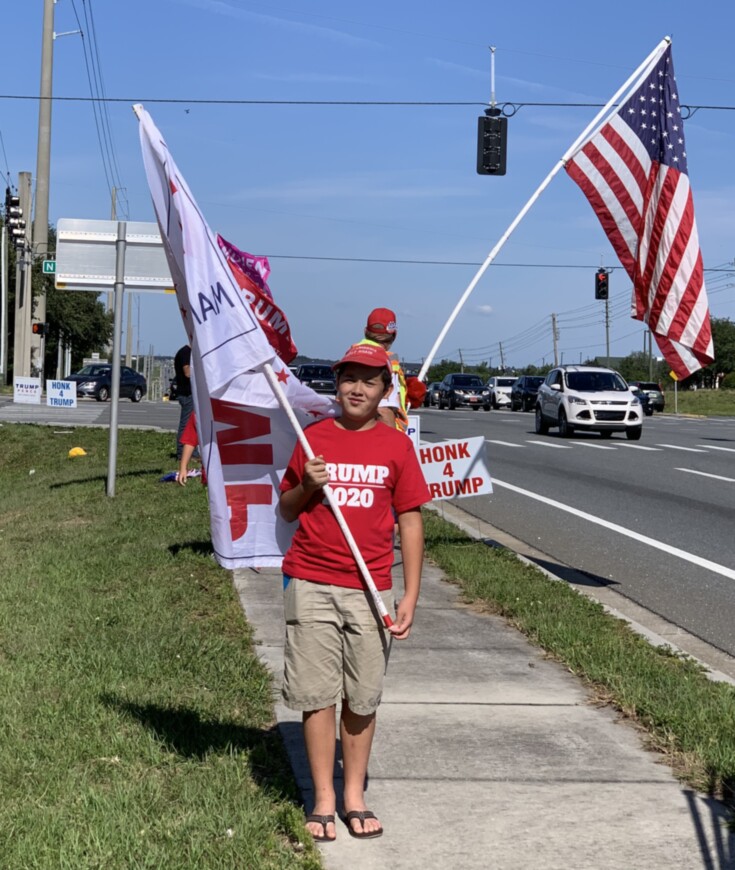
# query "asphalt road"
(655, 519)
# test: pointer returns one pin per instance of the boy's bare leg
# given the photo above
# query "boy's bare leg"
(356, 733)
(320, 737)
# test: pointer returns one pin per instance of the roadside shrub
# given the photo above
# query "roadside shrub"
(728, 382)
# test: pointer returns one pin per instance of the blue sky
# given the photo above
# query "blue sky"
(380, 182)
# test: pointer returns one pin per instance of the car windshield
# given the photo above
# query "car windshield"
(595, 382)
(534, 382)
(94, 371)
(647, 386)
(316, 372)
(466, 381)
(505, 382)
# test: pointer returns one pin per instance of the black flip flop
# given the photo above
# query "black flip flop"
(323, 821)
(361, 815)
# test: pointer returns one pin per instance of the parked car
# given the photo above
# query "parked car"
(319, 377)
(500, 391)
(590, 398)
(523, 392)
(95, 381)
(654, 393)
(432, 394)
(458, 390)
(644, 399)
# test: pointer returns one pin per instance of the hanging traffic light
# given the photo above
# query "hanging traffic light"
(601, 284)
(492, 141)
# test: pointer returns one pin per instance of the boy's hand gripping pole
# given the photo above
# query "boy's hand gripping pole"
(275, 385)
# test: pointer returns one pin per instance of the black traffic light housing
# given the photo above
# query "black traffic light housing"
(39, 328)
(601, 284)
(492, 140)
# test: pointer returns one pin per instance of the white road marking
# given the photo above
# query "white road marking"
(712, 447)
(638, 446)
(504, 443)
(687, 449)
(550, 444)
(614, 527)
(592, 444)
(704, 474)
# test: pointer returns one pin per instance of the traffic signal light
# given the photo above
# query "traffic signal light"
(40, 328)
(492, 139)
(601, 284)
(14, 218)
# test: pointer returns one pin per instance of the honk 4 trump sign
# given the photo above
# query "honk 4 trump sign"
(454, 469)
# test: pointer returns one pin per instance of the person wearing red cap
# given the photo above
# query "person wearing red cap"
(381, 329)
(336, 649)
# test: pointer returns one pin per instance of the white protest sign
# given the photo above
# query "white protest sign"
(61, 394)
(455, 469)
(414, 429)
(27, 391)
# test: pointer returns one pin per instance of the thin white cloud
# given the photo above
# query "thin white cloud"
(219, 7)
(311, 78)
(358, 187)
(484, 310)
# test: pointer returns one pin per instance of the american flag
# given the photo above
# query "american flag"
(633, 170)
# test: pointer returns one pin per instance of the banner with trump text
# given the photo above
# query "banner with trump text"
(245, 437)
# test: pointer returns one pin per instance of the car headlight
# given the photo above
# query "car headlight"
(486, 392)
(576, 400)
(86, 385)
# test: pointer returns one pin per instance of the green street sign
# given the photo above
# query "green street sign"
(49, 267)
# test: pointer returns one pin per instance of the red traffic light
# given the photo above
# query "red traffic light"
(40, 328)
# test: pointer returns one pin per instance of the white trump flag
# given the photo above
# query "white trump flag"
(245, 438)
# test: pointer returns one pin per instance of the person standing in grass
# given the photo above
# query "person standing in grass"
(336, 647)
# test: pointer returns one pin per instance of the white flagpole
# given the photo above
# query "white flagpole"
(369, 582)
(631, 83)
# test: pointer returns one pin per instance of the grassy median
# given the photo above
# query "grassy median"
(136, 723)
(687, 716)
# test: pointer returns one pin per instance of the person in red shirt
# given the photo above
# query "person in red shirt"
(336, 647)
(189, 441)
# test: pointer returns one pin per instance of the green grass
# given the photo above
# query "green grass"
(136, 723)
(686, 715)
(708, 403)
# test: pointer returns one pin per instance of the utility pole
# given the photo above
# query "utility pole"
(43, 165)
(650, 355)
(555, 337)
(607, 330)
(461, 361)
(23, 301)
(502, 359)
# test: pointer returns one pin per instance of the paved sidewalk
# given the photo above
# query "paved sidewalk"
(489, 756)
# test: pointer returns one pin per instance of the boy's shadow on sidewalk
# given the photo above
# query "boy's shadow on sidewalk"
(185, 732)
(723, 832)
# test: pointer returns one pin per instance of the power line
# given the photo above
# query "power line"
(508, 107)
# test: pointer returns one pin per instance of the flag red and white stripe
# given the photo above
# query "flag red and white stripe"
(633, 170)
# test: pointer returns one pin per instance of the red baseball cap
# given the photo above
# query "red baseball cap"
(365, 355)
(382, 321)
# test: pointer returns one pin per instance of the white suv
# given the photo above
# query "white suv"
(588, 398)
(500, 391)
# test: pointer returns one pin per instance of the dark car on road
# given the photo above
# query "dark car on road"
(653, 391)
(432, 394)
(523, 392)
(319, 377)
(95, 382)
(460, 390)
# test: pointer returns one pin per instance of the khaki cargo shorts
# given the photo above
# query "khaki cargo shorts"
(334, 647)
